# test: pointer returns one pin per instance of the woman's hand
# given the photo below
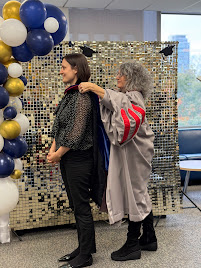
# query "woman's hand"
(85, 87)
(53, 158)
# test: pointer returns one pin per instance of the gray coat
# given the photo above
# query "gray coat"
(131, 152)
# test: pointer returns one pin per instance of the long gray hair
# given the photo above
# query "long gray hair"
(137, 78)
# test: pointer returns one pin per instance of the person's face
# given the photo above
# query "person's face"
(121, 81)
(69, 74)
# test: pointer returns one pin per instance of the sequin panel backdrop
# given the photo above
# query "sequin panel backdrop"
(43, 201)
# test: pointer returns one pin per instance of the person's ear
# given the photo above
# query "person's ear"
(75, 69)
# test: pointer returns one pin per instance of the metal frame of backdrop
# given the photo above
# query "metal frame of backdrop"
(43, 201)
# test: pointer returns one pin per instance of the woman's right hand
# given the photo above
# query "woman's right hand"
(50, 152)
(85, 87)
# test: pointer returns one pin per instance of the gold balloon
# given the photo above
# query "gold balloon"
(7, 63)
(14, 86)
(5, 52)
(10, 129)
(11, 10)
(16, 174)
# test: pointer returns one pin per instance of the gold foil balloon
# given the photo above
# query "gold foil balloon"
(10, 129)
(16, 174)
(7, 63)
(5, 52)
(11, 10)
(14, 86)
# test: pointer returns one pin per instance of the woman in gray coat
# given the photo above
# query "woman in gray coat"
(123, 115)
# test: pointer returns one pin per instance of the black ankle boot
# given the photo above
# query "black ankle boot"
(131, 249)
(148, 240)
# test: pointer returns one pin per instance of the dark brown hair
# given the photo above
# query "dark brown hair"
(80, 62)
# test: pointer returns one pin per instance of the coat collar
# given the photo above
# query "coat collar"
(75, 87)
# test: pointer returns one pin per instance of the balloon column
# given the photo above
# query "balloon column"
(27, 29)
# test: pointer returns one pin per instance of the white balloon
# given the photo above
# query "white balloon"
(1, 116)
(16, 103)
(23, 122)
(18, 164)
(51, 25)
(15, 70)
(13, 32)
(1, 20)
(9, 195)
(1, 142)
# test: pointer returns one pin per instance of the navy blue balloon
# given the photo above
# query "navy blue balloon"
(16, 148)
(3, 74)
(33, 13)
(22, 53)
(40, 42)
(24, 80)
(10, 112)
(55, 12)
(4, 97)
(22, 103)
(7, 165)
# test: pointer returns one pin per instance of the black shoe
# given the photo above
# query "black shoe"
(127, 252)
(148, 240)
(71, 255)
(84, 264)
(149, 246)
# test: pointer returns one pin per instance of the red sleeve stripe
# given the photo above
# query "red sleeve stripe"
(139, 110)
(126, 125)
(137, 120)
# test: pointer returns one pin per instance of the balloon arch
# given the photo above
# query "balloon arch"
(27, 29)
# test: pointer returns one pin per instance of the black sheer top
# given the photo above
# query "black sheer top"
(73, 122)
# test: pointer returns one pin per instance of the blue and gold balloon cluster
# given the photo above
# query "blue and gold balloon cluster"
(26, 30)
(31, 28)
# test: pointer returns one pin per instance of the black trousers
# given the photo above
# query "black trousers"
(76, 169)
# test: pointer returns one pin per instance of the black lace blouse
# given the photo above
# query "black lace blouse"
(73, 124)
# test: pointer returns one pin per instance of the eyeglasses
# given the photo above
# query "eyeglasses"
(119, 74)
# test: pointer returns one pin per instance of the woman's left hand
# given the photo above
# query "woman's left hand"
(53, 158)
(85, 87)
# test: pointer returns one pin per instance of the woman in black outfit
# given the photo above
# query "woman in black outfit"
(73, 146)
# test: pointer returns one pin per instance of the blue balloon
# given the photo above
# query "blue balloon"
(10, 112)
(4, 97)
(24, 80)
(22, 102)
(16, 148)
(40, 42)
(55, 12)
(7, 165)
(22, 53)
(33, 13)
(3, 74)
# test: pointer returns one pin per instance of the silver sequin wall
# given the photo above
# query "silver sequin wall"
(43, 201)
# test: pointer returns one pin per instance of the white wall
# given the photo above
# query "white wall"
(113, 25)
(152, 26)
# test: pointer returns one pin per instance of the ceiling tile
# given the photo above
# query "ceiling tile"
(171, 5)
(87, 3)
(130, 5)
(58, 3)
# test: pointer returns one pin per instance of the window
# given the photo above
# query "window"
(183, 28)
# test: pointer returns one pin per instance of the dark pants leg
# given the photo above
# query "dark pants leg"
(76, 169)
